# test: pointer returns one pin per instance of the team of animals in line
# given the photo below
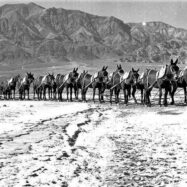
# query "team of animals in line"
(168, 78)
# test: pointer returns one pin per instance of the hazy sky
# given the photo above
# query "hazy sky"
(173, 12)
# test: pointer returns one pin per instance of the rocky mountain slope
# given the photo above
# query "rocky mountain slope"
(30, 33)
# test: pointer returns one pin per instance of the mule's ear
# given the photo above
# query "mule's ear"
(176, 61)
(138, 70)
(77, 69)
(117, 66)
(103, 68)
(171, 61)
(133, 69)
(106, 67)
(120, 66)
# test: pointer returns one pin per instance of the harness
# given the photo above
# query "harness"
(66, 78)
(157, 78)
(161, 74)
(94, 77)
(124, 77)
(40, 84)
(24, 80)
(10, 81)
(121, 80)
(148, 76)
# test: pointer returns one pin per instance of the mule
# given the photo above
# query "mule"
(12, 83)
(37, 87)
(59, 79)
(54, 88)
(5, 90)
(79, 83)
(166, 81)
(47, 83)
(128, 82)
(140, 85)
(24, 85)
(181, 83)
(96, 81)
(69, 82)
(114, 83)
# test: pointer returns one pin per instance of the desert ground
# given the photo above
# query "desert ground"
(75, 144)
(50, 143)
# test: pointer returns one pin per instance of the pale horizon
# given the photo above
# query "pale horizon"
(171, 12)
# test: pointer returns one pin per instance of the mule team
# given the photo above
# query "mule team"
(168, 78)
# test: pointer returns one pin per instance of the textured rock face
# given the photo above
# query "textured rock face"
(28, 31)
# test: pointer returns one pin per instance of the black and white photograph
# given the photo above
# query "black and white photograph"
(93, 93)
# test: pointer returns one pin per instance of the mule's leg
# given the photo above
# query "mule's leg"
(165, 97)
(185, 95)
(33, 94)
(20, 95)
(67, 92)
(61, 93)
(102, 92)
(102, 96)
(44, 93)
(85, 94)
(172, 98)
(172, 91)
(111, 93)
(24, 94)
(99, 91)
(115, 95)
(49, 95)
(94, 94)
(76, 91)
(146, 97)
(71, 93)
(14, 93)
(38, 94)
(126, 96)
(142, 99)
(160, 96)
(28, 95)
(58, 94)
(10, 94)
(133, 94)
(54, 95)
(82, 93)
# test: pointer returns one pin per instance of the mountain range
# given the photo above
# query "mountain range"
(30, 33)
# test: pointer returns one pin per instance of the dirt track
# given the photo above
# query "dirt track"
(77, 144)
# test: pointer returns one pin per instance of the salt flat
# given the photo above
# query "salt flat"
(85, 144)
